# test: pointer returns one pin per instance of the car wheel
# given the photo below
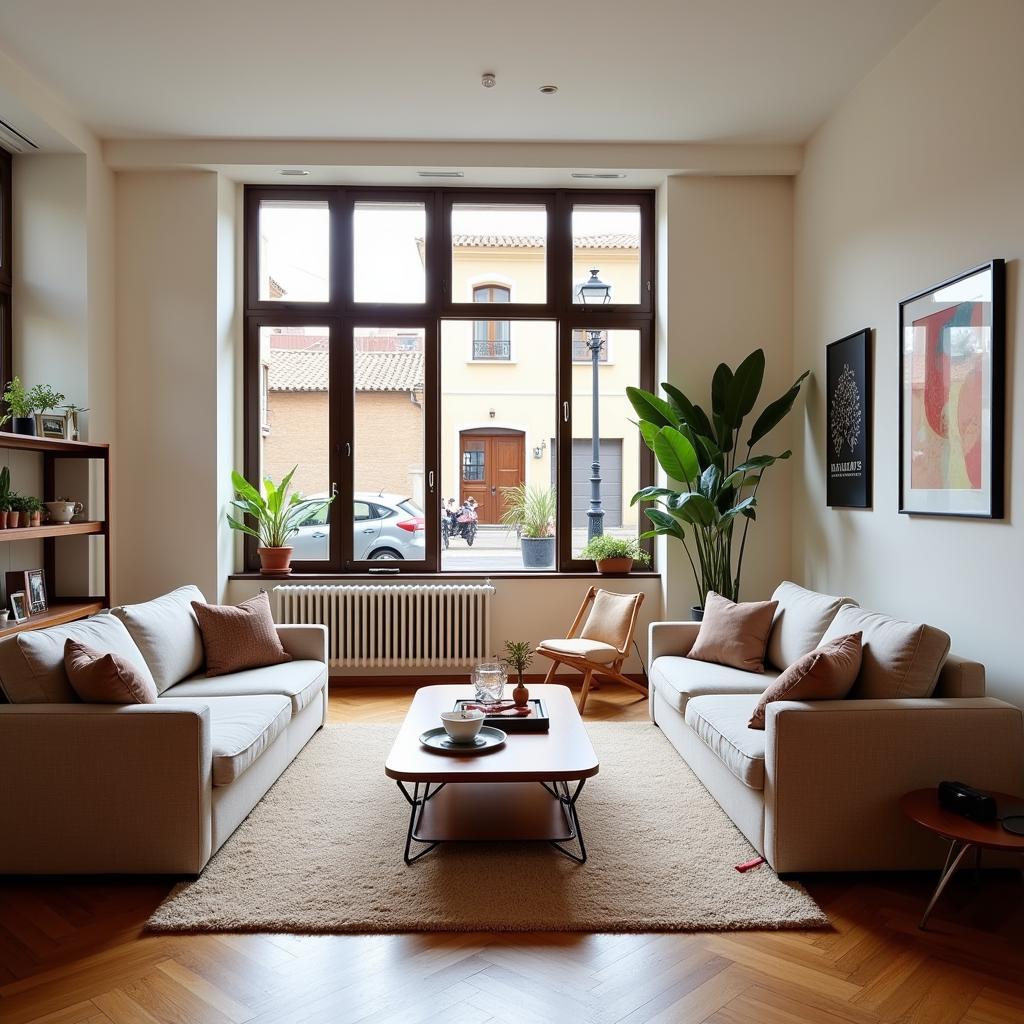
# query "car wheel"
(385, 553)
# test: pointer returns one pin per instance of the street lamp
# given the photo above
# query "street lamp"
(595, 292)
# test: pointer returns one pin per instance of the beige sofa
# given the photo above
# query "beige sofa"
(97, 788)
(818, 788)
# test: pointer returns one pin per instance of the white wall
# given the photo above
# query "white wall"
(917, 176)
(726, 288)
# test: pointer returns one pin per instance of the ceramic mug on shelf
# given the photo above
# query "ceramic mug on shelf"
(63, 511)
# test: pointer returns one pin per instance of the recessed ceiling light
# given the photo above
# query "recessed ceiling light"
(487, 80)
(549, 90)
(293, 172)
(441, 174)
(598, 174)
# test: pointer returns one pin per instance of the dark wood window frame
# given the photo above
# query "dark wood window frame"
(6, 275)
(342, 316)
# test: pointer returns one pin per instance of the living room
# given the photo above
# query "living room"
(230, 243)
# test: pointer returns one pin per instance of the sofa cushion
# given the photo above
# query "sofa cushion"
(166, 631)
(241, 636)
(105, 678)
(826, 673)
(734, 634)
(300, 681)
(678, 679)
(720, 720)
(580, 648)
(609, 618)
(800, 622)
(900, 659)
(32, 663)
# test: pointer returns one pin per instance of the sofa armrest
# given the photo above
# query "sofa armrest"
(103, 788)
(835, 770)
(305, 642)
(671, 638)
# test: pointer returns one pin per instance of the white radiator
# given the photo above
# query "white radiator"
(395, 626)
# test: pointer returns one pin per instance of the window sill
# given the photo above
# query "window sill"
(435, 577)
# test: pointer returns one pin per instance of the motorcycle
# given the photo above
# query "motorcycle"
(460, 523)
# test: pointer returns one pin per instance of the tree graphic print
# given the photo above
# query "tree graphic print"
(846, 413)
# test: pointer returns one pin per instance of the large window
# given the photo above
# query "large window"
(369, 368)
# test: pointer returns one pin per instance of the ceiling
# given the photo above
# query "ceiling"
(650, 70)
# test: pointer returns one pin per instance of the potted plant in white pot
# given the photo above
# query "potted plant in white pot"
(276, 516)
(615, 554)
(530, 511)
(719, 484)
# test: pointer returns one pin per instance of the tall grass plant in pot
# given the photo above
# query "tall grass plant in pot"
(530, 511)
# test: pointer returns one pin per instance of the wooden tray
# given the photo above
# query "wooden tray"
(537, 721)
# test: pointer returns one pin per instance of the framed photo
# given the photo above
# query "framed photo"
(31, 584)
(952, 396)
(848, 421)
(52, 424)
(18, 606)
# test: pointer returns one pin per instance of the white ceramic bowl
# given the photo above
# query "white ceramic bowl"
(462, 726)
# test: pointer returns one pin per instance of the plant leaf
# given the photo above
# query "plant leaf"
(676, 454)
(720, 384)
(775, 412)
(652, 494)
(742, 390)
(649, 431)
(651, 407)
(694, 508)
(665, 524)
(709, 481)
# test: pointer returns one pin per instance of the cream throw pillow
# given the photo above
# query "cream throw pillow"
(734, 634)
(826, 673)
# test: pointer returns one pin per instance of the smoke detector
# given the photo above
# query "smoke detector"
(487, 80)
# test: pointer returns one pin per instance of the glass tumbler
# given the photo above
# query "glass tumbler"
(489, 678)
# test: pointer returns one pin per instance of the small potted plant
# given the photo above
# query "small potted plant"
(531, 513)
(519, 654)
(43, 399)
(19, 402)
(615, 554)
(276, 516)
(34, 510)
(73, 412)
(18, 516)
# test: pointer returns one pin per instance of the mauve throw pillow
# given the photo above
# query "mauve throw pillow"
(240, 636)
(826, 673)
(734, 634)
(100, 678)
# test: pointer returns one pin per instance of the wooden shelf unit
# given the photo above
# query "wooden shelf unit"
(62, 608)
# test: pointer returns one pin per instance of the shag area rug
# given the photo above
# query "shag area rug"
(322, 852)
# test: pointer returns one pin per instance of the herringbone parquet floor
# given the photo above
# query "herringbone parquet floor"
(72, 952)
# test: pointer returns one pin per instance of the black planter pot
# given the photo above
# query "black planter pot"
(696, 613)
(23, 425)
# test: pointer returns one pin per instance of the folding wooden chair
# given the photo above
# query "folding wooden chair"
(601, 644)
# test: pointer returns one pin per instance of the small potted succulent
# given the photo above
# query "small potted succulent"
(19, 402)
(615, 554)
(518, 655)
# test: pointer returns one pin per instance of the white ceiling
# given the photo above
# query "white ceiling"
(652, 70)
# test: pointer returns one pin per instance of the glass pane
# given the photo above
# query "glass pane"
(499, 253)
(606, 239)
(295, 251)
(295, 422)
(388, 444)
(618, 469)
(388, 252)
(497, 420)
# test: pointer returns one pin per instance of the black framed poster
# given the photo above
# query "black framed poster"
(848, 421)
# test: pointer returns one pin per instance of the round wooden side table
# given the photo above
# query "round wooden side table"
(922, 806)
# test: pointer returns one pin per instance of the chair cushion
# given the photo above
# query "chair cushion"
(241, 728)
(608, 621)
(32, 664)
(105, 678)
(800, 622)
(166, 631)
(300, 681)
(678, 679)
(593, 650)
(826, 673)
(900, 659)
(734, 634)
(720, 720)
(237, 637)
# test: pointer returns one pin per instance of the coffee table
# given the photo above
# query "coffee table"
(524, 791)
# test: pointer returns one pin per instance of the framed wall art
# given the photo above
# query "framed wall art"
(848, 421)
(952, 396)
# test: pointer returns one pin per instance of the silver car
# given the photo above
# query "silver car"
(384, 526)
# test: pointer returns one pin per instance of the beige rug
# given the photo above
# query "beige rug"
(323, 853)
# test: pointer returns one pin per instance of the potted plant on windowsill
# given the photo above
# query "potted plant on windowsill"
(531, 512)
(719, 484)
(615, 554)
(276, 516)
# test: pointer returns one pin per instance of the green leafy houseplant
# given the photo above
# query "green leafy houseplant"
(18, 399)
(529, 510)
(275, 513)
(43, 398)
(605, 547)
(703, 454)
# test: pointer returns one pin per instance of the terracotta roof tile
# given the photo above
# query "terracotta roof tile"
(298, 370)
(620, 240)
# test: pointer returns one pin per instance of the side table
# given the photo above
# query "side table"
(922, 806)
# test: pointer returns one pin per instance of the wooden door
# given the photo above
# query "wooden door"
(491, 462)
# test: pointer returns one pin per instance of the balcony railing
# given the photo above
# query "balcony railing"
(491, 348)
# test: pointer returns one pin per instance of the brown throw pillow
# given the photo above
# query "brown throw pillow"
(826, 673)
(240, 636)
(100, 678)
(734, 634)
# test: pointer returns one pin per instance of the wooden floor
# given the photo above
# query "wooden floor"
(72, 952)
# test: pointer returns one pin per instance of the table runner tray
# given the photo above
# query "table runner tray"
(536, 721)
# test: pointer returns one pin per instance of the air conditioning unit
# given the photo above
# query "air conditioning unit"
(13, 141)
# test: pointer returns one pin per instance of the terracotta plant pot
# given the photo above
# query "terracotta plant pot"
(3, 520)
(37, 519)
(520, 695)
(13, 520)
(609, 565)
(275, 561)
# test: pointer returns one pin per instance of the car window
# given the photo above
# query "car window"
(410, 506)
(383, 512)
(362, 511)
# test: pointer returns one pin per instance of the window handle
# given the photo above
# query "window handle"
(348, 449)
(565, 411)
(334, 489)
(430, 481)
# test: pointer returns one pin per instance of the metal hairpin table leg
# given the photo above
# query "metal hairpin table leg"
(417, 803)
(953, 859)
(560, 790)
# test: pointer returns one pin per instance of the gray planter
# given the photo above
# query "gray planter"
(538, 552)
(696, 613)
